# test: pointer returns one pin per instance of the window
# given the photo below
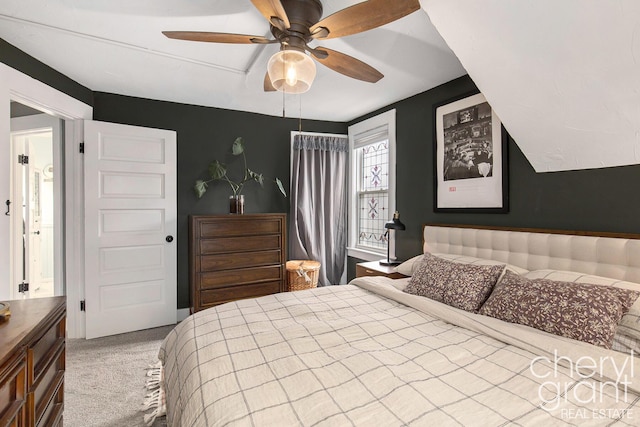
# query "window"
(371, 184)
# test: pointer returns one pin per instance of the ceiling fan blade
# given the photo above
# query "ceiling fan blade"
(268, 87)
(203, 36)
(347, 65)
(271, 9)
(362, 17)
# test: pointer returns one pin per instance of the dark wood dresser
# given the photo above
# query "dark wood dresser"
(32, 363)
(235, 256)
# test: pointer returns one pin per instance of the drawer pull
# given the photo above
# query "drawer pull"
(369, 271)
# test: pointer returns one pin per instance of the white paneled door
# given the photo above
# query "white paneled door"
(130, 228)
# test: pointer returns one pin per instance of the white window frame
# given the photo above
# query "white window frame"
(357, 132)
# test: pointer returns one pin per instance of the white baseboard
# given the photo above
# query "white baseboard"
(183, 313)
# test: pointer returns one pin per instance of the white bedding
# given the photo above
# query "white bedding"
(369, 354)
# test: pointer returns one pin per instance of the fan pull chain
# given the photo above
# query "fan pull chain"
(283, 112)
(284, 90)
(300, 115)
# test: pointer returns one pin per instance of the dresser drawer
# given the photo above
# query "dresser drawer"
(32, 363)
(45, 349)
(222, 295)
(240, 226)
(52, 412)
(239, 244)
(239, 260)
(13, 390)
(46, 388)
(235, 256)
(240, 277)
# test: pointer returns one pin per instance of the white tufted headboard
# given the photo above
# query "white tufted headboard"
(616, 256)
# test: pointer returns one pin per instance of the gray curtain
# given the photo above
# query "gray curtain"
(318, 220)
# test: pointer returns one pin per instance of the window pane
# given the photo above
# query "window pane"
(373, 214)
(375, 166)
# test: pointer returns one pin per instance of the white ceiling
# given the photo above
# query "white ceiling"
(116, 46)
(564, 76)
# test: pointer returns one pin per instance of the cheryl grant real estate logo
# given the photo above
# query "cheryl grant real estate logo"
(580, 392)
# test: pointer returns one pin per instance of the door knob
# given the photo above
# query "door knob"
(36, 232)
(169, 239)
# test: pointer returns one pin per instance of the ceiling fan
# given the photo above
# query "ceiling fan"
(295, 23)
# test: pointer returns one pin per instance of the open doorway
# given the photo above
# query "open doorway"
(35, 204)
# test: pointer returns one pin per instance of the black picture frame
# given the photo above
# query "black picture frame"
(468, 133)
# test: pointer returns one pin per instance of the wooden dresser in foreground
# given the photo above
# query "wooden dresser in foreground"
(235, 256)
(32, 363)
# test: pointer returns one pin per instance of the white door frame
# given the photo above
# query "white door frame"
(16, 86)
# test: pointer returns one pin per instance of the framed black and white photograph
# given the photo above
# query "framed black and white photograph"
(470, 157)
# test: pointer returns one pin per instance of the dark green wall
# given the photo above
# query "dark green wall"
(593, 200)
(205, 134)
(15, 58)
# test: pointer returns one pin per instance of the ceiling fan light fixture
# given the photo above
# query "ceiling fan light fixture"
(294, 23)
(291, 71)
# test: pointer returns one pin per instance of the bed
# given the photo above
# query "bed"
(372, 353)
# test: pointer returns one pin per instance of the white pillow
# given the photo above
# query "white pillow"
(411, 265)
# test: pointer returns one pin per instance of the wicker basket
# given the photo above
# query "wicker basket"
(302, 274)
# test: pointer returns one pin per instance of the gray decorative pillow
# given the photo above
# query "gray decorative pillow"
(628, 332)
(581, 311)
(464, 286)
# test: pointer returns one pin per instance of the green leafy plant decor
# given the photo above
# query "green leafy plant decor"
(218, 172)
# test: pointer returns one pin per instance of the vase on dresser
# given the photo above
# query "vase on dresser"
(236, 204)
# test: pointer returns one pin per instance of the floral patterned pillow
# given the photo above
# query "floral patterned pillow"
(464, 286)
(581, 311)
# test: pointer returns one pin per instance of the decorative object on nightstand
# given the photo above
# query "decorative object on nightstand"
(395, 224)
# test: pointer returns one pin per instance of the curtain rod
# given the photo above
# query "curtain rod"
(338, 135)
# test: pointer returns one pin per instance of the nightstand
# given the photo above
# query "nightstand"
(373, 268)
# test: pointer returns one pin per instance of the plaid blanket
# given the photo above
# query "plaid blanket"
(368, 354)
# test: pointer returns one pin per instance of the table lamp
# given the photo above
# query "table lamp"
(394, 224)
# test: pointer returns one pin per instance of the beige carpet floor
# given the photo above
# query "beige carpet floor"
(105, 378)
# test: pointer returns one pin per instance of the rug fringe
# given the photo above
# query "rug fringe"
(154, 399)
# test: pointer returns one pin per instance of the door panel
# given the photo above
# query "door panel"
(128, 184)
(144, 150)
(126, 260)
(130, 209)
(120, 222)
(131, 295)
